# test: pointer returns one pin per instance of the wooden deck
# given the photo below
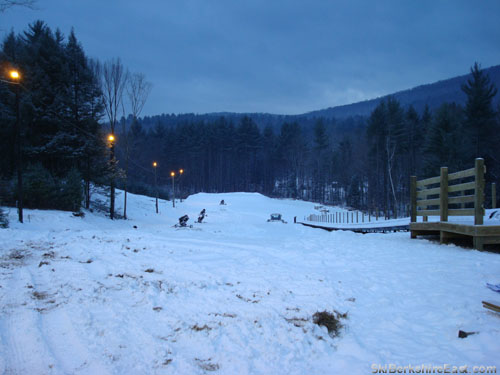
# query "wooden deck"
(480, 234)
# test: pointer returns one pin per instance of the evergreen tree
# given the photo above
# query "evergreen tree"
(445, 143)
(60, 105)
(480, 124)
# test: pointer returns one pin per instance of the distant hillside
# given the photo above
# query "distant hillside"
(433, 94)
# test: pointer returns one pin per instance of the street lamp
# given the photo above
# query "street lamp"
(155, 164)
(181, 171)
(172, 174)
(111, 140)
(14, 74)
(15, 79)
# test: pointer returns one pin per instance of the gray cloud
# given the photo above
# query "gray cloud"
(277, 56)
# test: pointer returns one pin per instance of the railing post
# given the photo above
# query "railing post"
(413, 198)
(493, 195)
(479, 192)
(443, 194)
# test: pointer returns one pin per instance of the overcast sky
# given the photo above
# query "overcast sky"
(277, 56)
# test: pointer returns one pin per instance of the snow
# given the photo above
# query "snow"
(234, 295)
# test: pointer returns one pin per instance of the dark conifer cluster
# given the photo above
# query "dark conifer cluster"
(60, 109)
(365, 163)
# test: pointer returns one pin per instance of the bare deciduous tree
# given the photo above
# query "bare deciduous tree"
(114, 79)
(138, 90)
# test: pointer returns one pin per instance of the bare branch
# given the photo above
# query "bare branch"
(138, 90)
(6, 4)
(114, 79)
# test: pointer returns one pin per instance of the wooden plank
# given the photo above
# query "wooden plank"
(428, 202)
(457, 228)
(461, 212)
(491, 240)
(428, 213)
(491, 306)
(443, 194)
(426, 192)
(478, 243)
(479, 194)
(493, 195)
(428, 181)
(424, 226)
(487, 230)
(462, 187)
(461, 199)
(413, 198)
(462, 174)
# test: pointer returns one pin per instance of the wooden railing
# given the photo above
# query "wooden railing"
(433, 196)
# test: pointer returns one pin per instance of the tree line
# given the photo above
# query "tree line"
(364, 163)
(69, 104)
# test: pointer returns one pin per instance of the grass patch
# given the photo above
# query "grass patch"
(197, 328)
(332, 321)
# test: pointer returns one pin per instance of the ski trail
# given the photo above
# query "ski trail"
(72, 355)
(24, 349)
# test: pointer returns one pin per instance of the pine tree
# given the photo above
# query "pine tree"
(480, 124)
(445, 143)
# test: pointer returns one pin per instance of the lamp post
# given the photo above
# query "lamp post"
(155, 164)
(15, 79)
(111, 140)
(181, 171)
(172, 174)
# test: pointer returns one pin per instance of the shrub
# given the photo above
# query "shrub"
(330, 320)
(4, 220)
(38, 188)
(70, 192)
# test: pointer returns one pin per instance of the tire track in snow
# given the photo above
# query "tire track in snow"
(24, 347)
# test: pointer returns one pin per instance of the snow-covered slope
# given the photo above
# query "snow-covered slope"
(233, 295)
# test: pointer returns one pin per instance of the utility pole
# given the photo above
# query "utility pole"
(19, 157)
(111, 139)
(155, 164)
(172, 174)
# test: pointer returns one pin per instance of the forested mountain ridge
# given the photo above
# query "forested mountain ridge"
(432, 94)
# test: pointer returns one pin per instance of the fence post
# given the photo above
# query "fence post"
(493, 195)
(413, 198)
(479, 192)
(443, 194)
(357, 221)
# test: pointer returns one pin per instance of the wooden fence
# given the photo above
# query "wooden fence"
(453, 194)
(345, 217)
(447, 195)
